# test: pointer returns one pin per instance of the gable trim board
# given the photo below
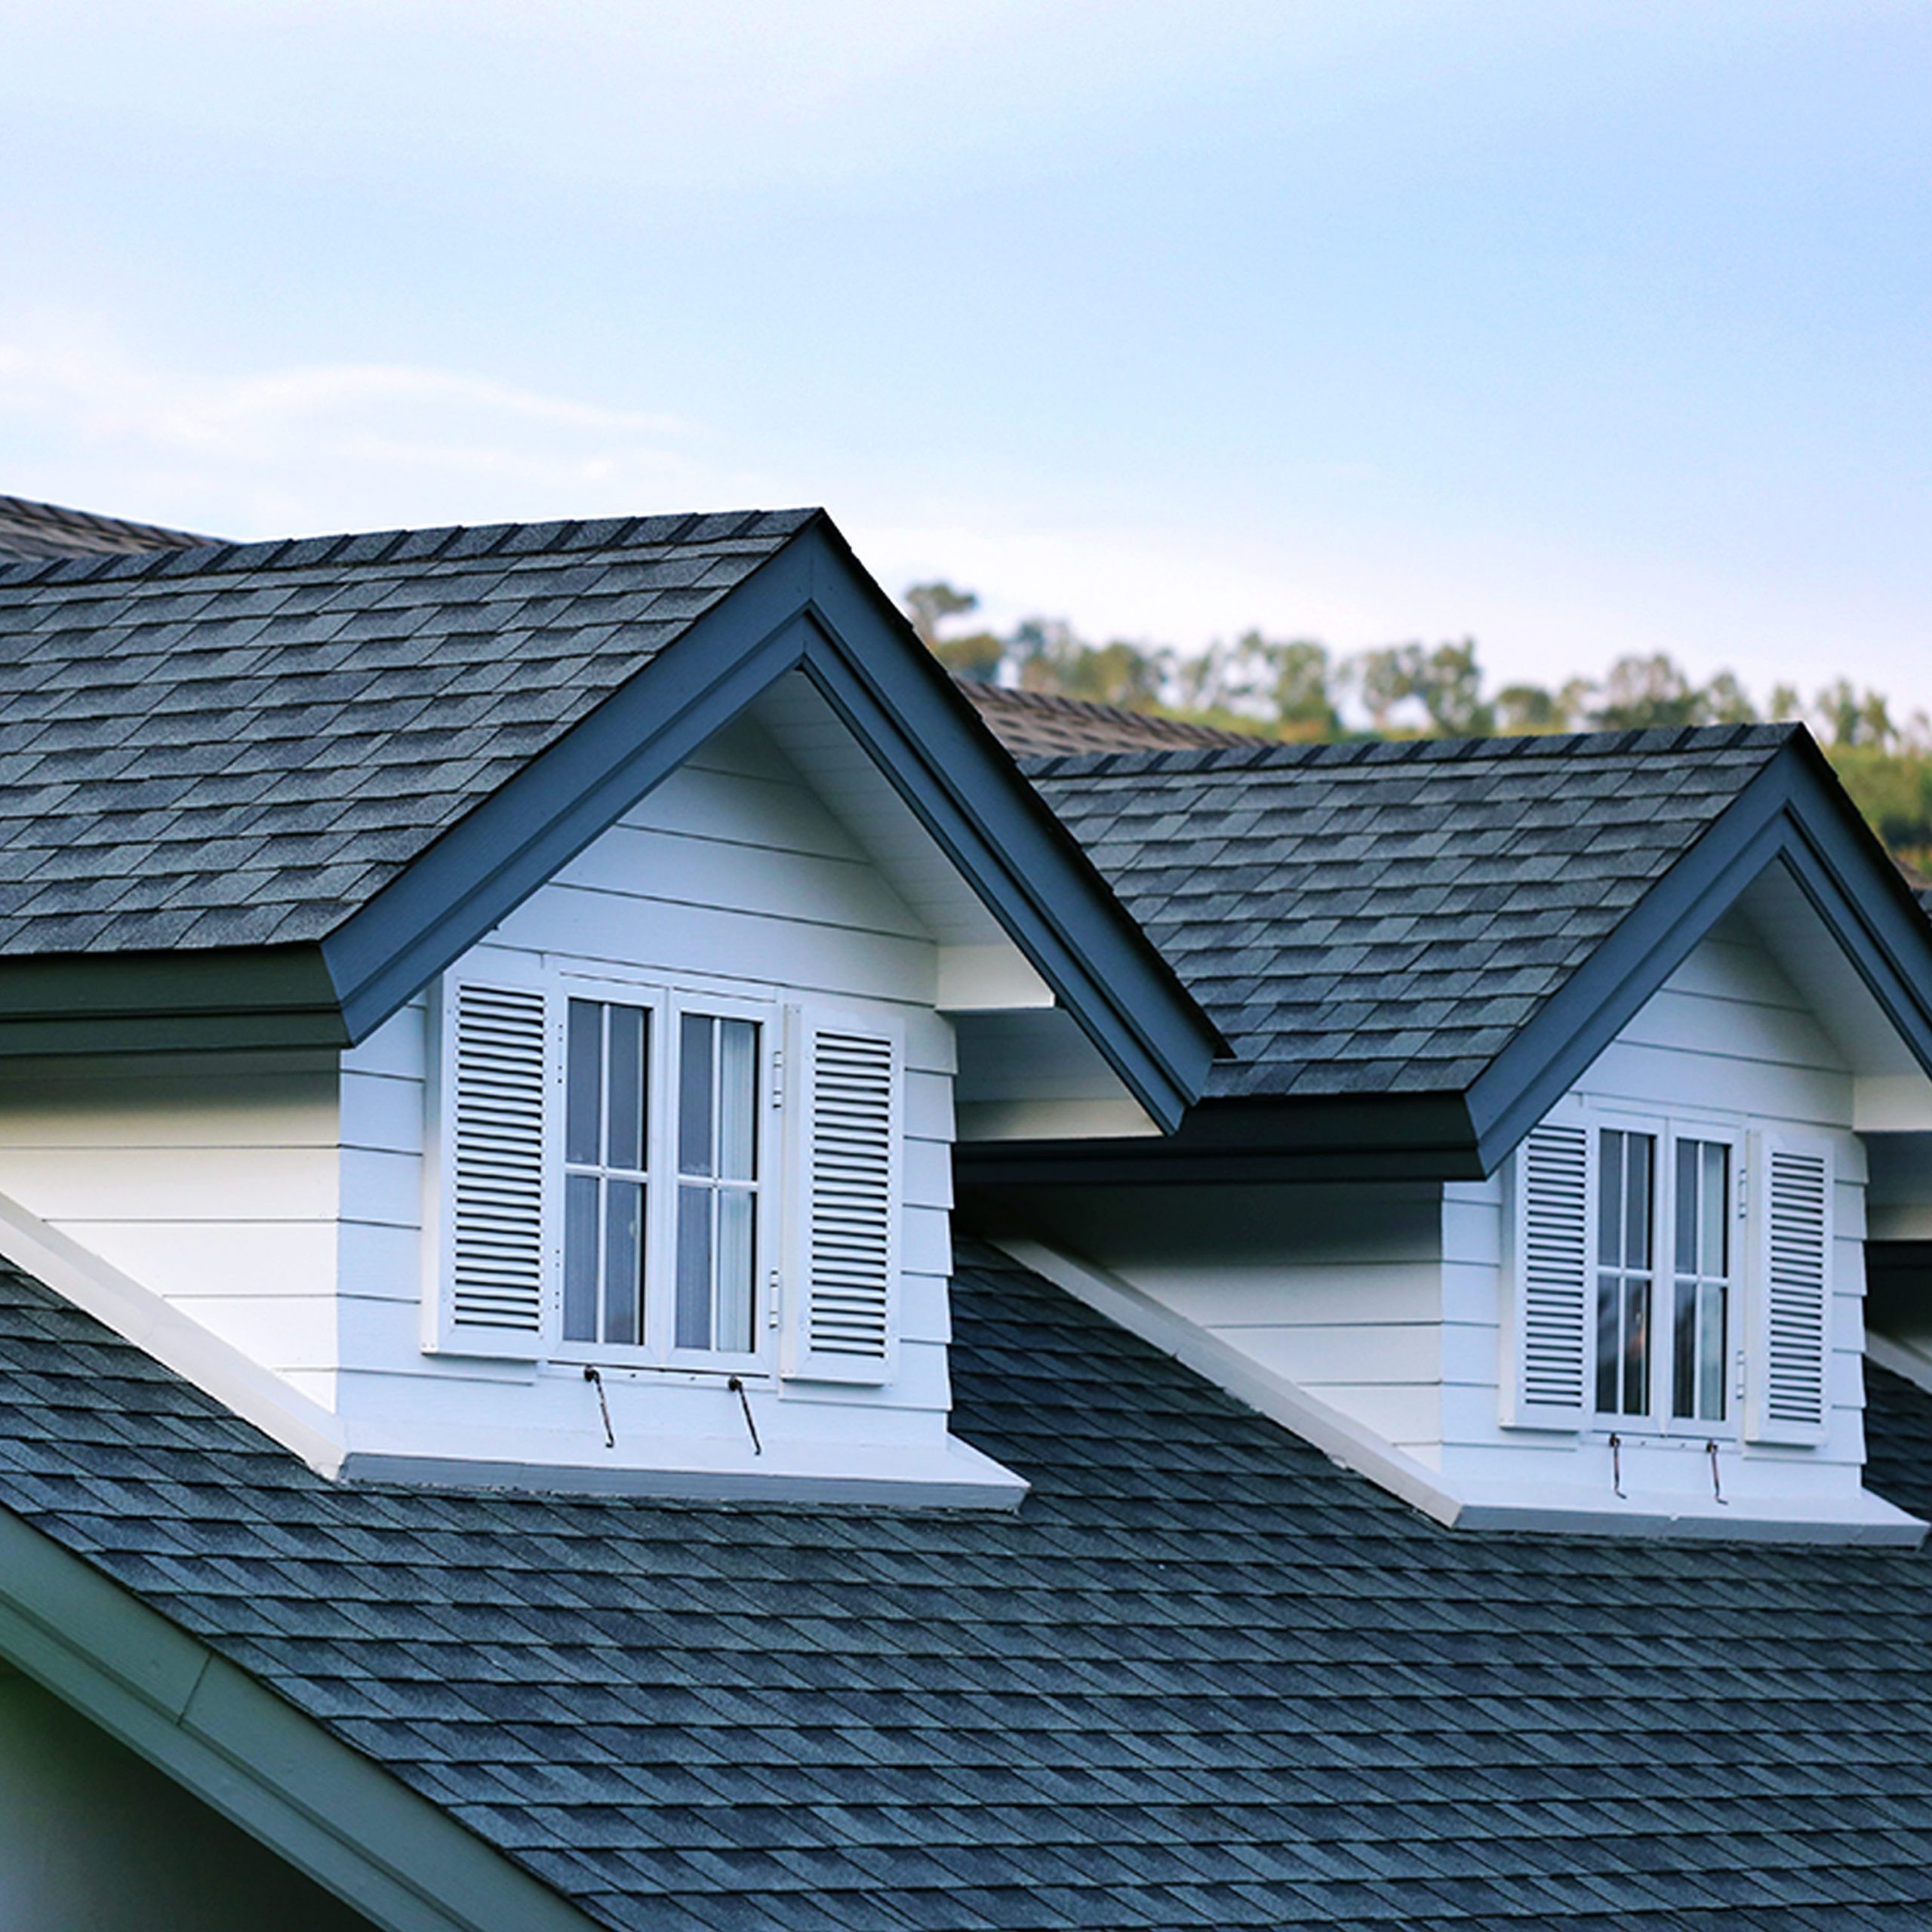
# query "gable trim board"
(395, 1857)
(1792, 813)
(809, 607)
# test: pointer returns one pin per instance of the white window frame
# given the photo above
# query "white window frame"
(667, 1005)
(1666, 1131)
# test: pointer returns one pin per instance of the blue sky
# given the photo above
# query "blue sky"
(1579, 328)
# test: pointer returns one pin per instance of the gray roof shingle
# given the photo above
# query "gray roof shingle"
(49, 530)
(1042, 724)
(1204, 1678)
(1384, 918)
(238, 745)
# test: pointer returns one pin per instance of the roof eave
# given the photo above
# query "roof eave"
(311, 1798)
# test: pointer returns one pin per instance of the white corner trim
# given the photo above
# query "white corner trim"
(1337, 1435)
(177, 1341)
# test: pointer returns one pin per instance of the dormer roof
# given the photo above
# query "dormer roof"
(1413, 948)
(261, 793)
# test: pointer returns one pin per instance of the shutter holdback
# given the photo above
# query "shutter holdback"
(737, 1386)
(596, 1381)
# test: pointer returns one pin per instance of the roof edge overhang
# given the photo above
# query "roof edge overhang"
(810, 608)
(1792, 813)
(1795, 813)
(310, 1798)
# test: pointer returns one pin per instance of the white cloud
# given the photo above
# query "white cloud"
(321, 447)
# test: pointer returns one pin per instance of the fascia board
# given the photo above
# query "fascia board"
(1316, 1137)
(498, 855)
(1787, 814)
(809, 606)
(1005, 842)
(316, 1802)
(271, 996)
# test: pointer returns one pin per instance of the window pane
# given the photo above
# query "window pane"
(623, 1260)
(1610, 1199)
(1683, 1351)
(625, 1147)
(1714, 1221)
(580, 1257)
(1609, 1347)
(1711, 1353)
(1688, 1220)
(1636, 1348)
(694, 1316)
(694, 1094)
(1638, 1149)
(737, 1099)
(583, 1082)
(738, 1268)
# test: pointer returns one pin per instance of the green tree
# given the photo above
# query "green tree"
(1646, 693)
(977, 657)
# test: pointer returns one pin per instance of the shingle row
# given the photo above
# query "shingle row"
(1204, 1677)
(1386, 917)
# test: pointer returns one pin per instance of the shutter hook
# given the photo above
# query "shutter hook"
(591, 1376)
(1616, 1464)
(737, 1386)
(1717, 1488)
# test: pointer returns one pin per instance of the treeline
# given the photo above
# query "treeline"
(1296, 690)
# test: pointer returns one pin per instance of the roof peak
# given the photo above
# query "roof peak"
(445, 543)
(1268, 754)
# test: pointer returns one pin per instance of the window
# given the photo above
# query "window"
(1670, 1276)
(1646, 1368)
(616, 1160)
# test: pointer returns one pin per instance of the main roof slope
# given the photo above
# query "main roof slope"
(1204, 1678)
(50, 529)
(236, 745)
(1387, 918)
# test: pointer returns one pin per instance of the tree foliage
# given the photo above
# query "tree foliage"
(1297, 689)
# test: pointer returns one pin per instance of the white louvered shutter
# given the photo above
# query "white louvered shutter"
(842, 1284)
(498, 1067)
(1553, 1202)
(1787, 1395)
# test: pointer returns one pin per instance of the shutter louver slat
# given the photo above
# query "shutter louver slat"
(1552, 1337)
(849, 1258)
(1791, 1397)
(496, 1192)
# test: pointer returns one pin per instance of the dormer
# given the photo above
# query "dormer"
(496, 1018)
(1536, 1187)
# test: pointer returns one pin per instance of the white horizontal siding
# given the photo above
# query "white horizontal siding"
(1729, 1039)
(1336, 1289)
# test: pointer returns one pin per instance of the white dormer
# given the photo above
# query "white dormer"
(636, 1176)
(1648, 1320)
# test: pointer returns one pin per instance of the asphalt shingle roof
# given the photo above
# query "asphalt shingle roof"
(1041, 723)
(1385, 918)
(1204, 1678)
(238, 745)
(49, 530)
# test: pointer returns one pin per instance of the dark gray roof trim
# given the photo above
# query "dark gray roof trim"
(593, 682)
(810, 608)
(50, 529)
(1777, 802)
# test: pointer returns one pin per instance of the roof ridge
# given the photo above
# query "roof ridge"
(422, 544)
(1270, 753)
